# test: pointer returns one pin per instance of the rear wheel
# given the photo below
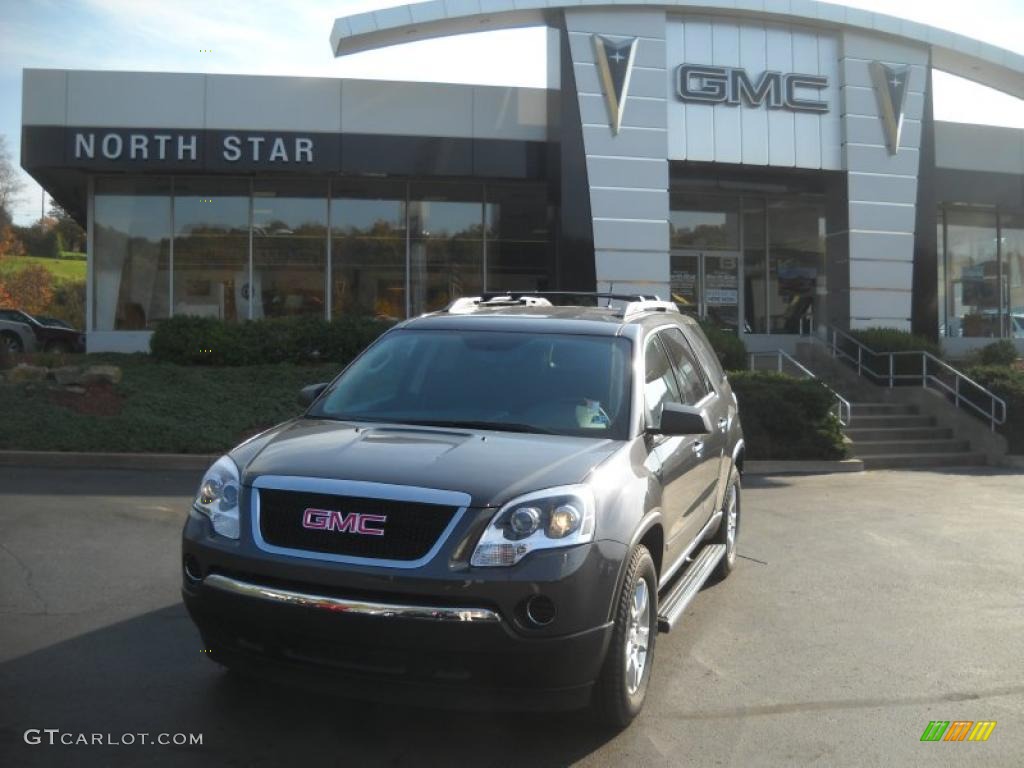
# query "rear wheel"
(622, 687)
(12, 342)
(729, 530)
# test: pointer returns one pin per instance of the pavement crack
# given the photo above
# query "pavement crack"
(28, 579)
(753, 559)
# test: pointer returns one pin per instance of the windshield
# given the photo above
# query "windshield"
(544, 383)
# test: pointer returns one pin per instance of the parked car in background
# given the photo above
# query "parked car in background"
(22, 332)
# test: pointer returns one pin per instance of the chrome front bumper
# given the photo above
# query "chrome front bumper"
(276, 595)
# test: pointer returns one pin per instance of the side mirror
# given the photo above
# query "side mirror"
(678, 419)
(308, 394)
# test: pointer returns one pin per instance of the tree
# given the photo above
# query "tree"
(10, 243)
(10, 184)
(72, 236)
(30, 289)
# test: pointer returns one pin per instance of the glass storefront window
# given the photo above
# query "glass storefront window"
(796, 269)
(211, 248)
(755, 294)
(700, 221)
(445, 244)
(368, 261)
(131, 253)
(519, 252)
(1012, 242)
(972, 273)
(289, 241)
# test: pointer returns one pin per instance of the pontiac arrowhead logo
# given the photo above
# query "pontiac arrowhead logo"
(615, 65)
(891, 90)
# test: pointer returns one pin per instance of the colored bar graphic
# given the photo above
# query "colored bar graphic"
(934, 730)
(958, 730)
(982, 730)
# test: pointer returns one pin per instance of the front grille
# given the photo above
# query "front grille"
(410, 530)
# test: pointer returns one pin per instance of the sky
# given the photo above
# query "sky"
(273, 37)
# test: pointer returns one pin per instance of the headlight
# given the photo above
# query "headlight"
(556, 517)
(218, 497)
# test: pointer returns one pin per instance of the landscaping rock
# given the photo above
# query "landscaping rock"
(67, 375)
(25, 372)
(95, 374)
(75, 389)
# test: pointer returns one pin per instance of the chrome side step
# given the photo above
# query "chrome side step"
(670, 610)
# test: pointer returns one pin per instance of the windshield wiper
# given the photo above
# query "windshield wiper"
(499, 426)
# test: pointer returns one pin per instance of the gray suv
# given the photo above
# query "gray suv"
(496, 505)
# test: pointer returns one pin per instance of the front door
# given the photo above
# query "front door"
(706, 285)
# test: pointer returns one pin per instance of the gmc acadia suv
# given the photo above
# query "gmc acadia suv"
(500, 504)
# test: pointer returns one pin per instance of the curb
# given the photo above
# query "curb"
(73, 460)
(800, 467)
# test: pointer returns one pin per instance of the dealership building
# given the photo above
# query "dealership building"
(773, 165)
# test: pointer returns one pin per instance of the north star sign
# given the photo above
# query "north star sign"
(701, 84)
(183, 147)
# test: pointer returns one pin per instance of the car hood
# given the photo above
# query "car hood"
(491, 466)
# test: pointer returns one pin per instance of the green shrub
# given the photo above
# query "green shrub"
(892, 340)
(786, 418)
(1000, 353)
(1007, 383)
(72, 256)
(206, 341)
(729, 347)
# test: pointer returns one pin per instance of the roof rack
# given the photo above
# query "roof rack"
(634, 303)
(469, 304)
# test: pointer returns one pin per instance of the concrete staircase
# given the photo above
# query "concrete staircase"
(889, 429)
(887, 435)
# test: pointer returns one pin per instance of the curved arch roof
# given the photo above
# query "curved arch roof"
(964, 56)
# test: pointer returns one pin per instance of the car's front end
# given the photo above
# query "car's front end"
(403, 589)
(448, 562)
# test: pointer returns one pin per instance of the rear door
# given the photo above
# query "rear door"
(695, 389)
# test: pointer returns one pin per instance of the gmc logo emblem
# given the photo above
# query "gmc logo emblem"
(352, 522)
(733, 86)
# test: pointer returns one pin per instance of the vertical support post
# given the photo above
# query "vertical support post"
(892, 361)
(924, 371)
(860, 357)
(992, 414)
(956, 390)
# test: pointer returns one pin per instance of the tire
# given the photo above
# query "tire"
(620, 691)
(13, 343)
(729, 530)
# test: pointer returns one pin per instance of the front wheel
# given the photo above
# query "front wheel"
(622, 687)
(729, 529)
(12, 342)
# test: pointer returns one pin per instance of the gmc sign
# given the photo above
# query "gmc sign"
(702, 84)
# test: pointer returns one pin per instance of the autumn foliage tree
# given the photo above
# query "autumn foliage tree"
(30, 289)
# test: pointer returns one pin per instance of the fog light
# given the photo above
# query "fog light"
(193, 573)
(540, 610)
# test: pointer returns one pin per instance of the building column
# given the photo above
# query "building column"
(627, 172)
(881, 187)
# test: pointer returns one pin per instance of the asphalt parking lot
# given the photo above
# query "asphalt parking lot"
(865, 606)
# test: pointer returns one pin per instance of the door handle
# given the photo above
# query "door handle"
(723, 423)
(698, 447)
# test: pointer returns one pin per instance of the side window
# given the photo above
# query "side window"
(660, 385)
(693, 382)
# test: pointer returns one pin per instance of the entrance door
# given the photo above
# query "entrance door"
(706, 285)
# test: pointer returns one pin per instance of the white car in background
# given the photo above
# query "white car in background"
(15, 333)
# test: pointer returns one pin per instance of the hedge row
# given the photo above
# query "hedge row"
(786, 418)
(206, 341)
(728, 345)
(1007, 383)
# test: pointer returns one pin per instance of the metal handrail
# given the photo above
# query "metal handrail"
(996, 412)
(842, 405)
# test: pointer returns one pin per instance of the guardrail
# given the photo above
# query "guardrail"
(783, 360)
(927, 370)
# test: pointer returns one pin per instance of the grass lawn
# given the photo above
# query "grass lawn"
(158, 407)
(62, 269)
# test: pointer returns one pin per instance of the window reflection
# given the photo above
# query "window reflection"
(445, 244)
(289, 228)
(796, 235)
(755, 291)
(1012, 231)
(368, 230)
(519, 252)
(131, 253)
(700, 221)
(211, 248)
(972, 266)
